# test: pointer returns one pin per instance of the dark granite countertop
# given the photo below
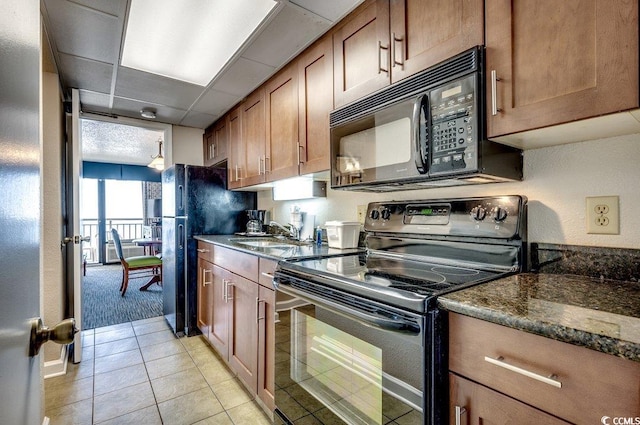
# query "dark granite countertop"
(599, 314)
(289, 252)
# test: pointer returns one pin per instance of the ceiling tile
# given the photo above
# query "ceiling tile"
(242, 77)
(331, 10)
(131, 108)
(92, 34)
(134, 84)
(198, 120)
(112, 7)
(216, 102)
(86, 74)
(91, 101)
(285, 36)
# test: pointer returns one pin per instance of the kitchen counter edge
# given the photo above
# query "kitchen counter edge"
(597, 314)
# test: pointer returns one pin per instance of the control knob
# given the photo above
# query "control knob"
(478, 213)
(375, 214)
(499, 214)
(386, 214)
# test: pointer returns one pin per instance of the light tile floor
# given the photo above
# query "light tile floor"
(140, 373)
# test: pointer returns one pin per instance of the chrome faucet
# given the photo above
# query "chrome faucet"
(293, 231)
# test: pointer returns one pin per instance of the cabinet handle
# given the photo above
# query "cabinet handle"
(300, 155)
(494, 93)
(237, 179)
(551, 379)
(204, 277)
(258, 318)
(395, 40)
(460, 410)
(380, 48)
(259, 165)
(269, 275)
(227, 298)
(265, 164)
(202, 250)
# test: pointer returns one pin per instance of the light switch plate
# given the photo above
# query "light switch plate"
(361, 213)
(603, 215)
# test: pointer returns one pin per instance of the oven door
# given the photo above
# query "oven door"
(344, 360)
(389, 145)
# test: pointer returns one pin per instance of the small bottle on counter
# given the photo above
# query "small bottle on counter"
(318, 236)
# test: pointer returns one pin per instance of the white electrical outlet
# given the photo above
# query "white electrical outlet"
(603, 215)
(362, 213)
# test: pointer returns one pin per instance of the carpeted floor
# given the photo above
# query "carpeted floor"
(102, 304)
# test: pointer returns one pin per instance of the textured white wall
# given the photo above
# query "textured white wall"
(51, 256)
(187, 145)
(556, 181)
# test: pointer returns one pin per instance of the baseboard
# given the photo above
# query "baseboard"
(56, 367)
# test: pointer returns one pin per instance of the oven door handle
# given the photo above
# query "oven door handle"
(365, 318)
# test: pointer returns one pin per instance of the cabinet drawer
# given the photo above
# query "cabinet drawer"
(267, 267)
(592, 384)
(240, 263)
(205, 251)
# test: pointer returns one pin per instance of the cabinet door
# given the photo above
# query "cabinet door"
(266, 346)
(556, 62)
(243, 342)
(485, 406)
(426, 32)
(220, 141)
(208, 147)
(281, 104)
(236, 162)
(361, 52)
(315, 88)
(219, 328)
(205, 293)
(253, 137)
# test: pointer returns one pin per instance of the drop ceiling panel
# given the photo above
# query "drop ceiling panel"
(216, 102)
(242, 77)
(112, 7)
(134, 84)
(94, 35)
(131, 108)
(86, 74)
(198, 120)
(285, 36)
(331, 10)
(92, 101)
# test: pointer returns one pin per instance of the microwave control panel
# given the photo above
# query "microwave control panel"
(454, 127)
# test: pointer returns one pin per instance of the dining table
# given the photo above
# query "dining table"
(151, 245)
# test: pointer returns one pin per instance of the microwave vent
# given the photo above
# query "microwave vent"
(438, 74)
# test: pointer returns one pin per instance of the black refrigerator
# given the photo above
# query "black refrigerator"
(195, 201)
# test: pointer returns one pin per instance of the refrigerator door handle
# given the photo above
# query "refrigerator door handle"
(180, 236)
(181, 197)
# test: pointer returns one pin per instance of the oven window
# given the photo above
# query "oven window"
(333, 370)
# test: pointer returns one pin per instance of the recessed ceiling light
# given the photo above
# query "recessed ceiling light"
(148, 113)
(189, 40)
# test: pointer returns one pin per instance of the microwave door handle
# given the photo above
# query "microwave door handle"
(421, 138)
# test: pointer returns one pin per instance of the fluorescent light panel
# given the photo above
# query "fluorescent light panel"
(189, 40)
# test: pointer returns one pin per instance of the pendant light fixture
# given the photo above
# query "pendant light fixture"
(158, 160)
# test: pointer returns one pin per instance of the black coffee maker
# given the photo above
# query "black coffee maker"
(256, 221)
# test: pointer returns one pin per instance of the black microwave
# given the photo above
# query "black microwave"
(425, 131)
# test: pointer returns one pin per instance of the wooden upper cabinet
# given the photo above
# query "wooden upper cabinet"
(361, 52)
(236, 161)
(315, 82)
(426, 32)
(557, 62)
(281, 108)
(216, 141)
(253, 138)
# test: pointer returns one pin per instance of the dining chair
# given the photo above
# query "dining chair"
(137, 267)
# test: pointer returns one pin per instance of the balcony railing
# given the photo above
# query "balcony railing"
(128, 229)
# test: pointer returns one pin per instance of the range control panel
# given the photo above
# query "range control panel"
(494, 217)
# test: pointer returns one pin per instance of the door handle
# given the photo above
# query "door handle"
(62, 333)
(76, 239)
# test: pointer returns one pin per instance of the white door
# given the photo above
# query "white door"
(20, 375)
(74, 247)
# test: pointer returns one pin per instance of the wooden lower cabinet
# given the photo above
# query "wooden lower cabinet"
(241, 316)
(474, 404)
